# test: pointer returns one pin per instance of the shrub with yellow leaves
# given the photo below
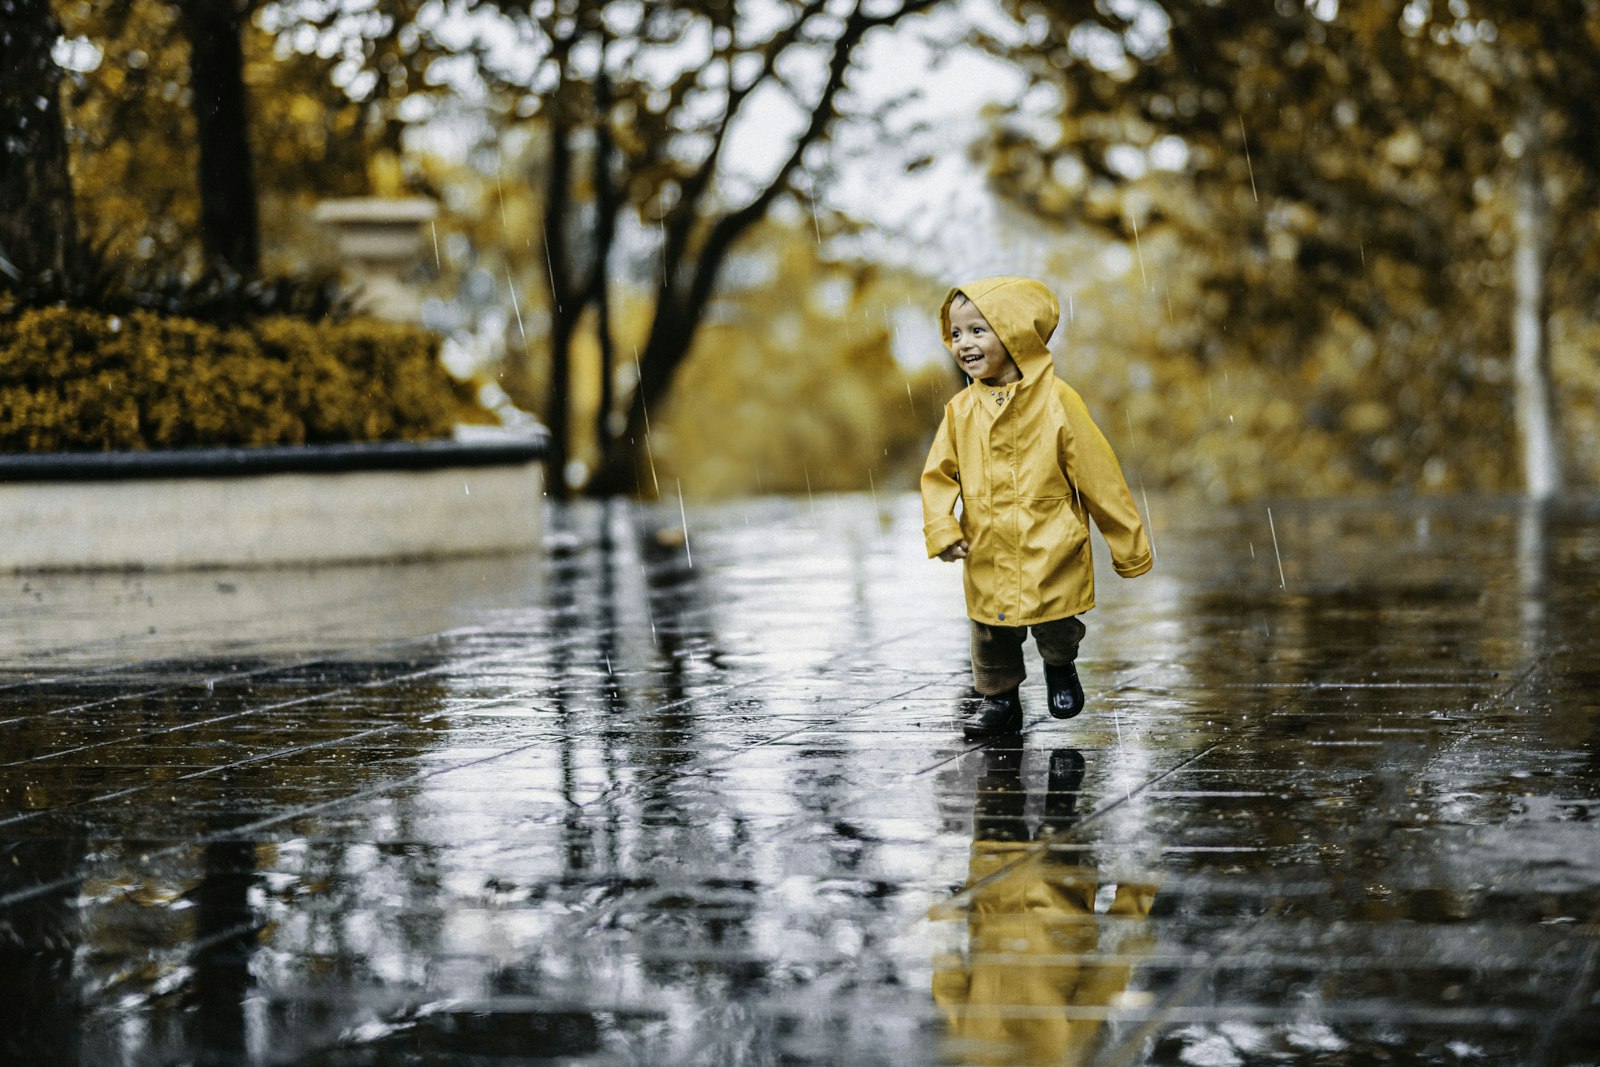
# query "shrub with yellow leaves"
(78, 380)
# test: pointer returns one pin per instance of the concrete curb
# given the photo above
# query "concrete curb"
(263, 507)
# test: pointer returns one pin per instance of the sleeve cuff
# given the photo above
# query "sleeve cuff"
(941, 535)
(1132, 568)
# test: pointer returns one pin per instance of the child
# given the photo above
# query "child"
(1018, 450)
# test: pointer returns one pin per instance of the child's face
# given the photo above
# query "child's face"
(978, 350)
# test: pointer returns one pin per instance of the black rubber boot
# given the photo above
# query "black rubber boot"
(1061, 790)
(1066, 692)
(1000, 803)
(998, 714)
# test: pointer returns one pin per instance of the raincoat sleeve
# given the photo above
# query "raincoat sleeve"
(1087, 458)
(941, 488)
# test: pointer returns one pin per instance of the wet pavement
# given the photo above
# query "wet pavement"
(659, 801)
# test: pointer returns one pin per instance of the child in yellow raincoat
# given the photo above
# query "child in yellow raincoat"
(1018, 450)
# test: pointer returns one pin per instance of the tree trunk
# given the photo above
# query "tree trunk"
(564, 310)
(608, 364)
(558, 405)
(606, 209)
(229, 225)
(670, 336)
(677, 317)
(1535, 404)
(38, 230)
(689, 277)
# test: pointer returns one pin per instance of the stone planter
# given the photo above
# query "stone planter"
(244, 507)
(381, 242)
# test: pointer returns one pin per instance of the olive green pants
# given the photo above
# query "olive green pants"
(997, 651)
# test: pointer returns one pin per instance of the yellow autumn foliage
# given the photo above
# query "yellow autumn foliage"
(793, 384)
(80, 380)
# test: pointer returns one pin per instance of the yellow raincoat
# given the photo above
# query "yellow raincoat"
(1042, 970)
(1028, 476)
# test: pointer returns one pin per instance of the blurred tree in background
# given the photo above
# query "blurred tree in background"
(136, 106)
(229, 229)
(1304, 247)
(1375, 203)
(37, 223)
(604, 129)
(803, 393)
(634, 106)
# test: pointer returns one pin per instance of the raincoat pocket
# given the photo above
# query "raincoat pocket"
(1051, 536)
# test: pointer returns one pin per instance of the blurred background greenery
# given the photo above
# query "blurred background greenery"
(1304, 247)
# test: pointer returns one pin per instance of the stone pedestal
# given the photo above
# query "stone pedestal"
(381, 241)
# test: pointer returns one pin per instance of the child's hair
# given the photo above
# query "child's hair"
(958, 297)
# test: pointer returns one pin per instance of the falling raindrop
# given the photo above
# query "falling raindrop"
(1282, 584)
(649, 450)
(662, 223)
(1139, 251)
(1248, 165)
(813, 500)
(811, 198)
(438, 263)
(549, 266)
(516, 307)
(1149, 521)
(683, 515)
(1116, 717)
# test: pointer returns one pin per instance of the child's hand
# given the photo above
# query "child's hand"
(954, 552)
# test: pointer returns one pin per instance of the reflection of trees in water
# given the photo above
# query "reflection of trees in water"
(225, 936)
(686, 875)
(151, 944)
(668, 732)
(633, 665)
(1391, 752)
(39, 939)
(1046, 950)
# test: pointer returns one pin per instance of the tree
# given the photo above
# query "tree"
(130, 136)
(634, 106)
(167, 179)
(1338, 166)
(699, 234)
(38, 232)
(229, 227)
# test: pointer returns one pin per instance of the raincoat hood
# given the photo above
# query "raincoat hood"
(1023, 314)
